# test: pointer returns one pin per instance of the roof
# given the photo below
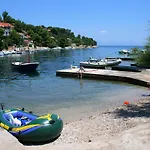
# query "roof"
(3, 24)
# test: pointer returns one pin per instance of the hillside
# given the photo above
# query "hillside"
(17, 33)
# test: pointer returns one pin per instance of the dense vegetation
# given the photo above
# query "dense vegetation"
(141, 56)
(40, 35)
(143, 59)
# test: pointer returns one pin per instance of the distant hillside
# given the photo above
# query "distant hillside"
(19, 33)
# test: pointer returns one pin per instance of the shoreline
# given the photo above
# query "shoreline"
(100, 130)
(129, 114)
(22, 50)
(98, 103)
(104, 126)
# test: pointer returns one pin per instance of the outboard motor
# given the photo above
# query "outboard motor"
(2, 106)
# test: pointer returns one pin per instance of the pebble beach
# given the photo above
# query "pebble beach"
(115, 128)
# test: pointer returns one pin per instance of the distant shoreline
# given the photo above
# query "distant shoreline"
(21, 50)
(120, 45)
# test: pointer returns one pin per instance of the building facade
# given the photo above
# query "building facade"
(7, 28)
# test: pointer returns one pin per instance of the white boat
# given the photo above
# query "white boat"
(100, 63)
(1, 53)
(7, 52)
(67, 48)
(124, 51)
(57, 48)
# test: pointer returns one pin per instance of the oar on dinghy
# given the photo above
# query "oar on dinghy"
(23, 109)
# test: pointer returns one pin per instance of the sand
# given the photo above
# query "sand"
(126, 127)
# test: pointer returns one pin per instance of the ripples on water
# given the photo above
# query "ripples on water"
(43, 92)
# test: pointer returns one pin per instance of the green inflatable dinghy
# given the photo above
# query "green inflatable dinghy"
(27, 127)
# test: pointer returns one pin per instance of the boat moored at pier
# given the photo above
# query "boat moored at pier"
(100, 63)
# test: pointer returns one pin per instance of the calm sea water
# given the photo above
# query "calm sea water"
(44, 92)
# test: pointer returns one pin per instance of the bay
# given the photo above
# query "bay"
(43, 92)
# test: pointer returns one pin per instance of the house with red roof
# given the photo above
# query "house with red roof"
(7, 28)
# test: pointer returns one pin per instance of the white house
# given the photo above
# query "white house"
(7, 28)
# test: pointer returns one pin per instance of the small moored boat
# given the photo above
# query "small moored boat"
(1, 53)
(123, 51)
(26, 67)
(27, 127)
(100, 63)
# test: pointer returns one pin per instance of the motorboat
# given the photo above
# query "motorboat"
(30, 128)
(123, 51)
(100, 63)
(25, 66)
(1, 53)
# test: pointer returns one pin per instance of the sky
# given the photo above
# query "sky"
(109, 22)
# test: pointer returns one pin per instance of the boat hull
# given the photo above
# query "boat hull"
(25, 67)
(40, 129)
(99, 65)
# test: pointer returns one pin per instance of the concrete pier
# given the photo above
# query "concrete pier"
(137, 78)
(122, 58)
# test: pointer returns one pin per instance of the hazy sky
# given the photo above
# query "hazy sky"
(109, 22)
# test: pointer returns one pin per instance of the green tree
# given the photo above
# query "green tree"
(10, 20)
(37, 39)
(18, 26)
(5, 43)
(16, 38)
(1, 33)
(1, 39)
(147, 46)
(78, 40)
(143, 59)
(9, 41)
(1, 45)
(4, 14)
(54, 31)
(63, 42)
(1, 19)
(52, 43)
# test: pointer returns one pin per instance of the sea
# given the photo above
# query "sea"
(43, 92)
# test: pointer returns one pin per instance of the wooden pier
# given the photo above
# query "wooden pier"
(136, 78)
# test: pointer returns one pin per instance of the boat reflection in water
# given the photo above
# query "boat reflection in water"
(31, 74)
